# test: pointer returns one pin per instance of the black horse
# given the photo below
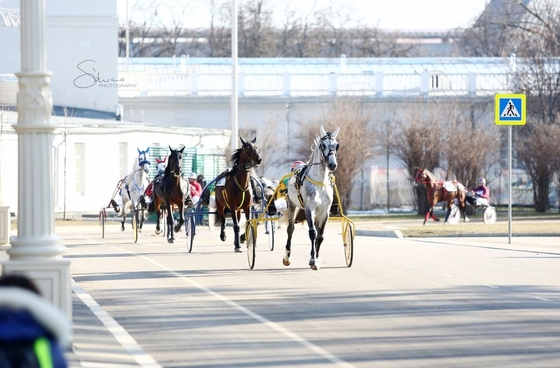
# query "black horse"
(170, 191)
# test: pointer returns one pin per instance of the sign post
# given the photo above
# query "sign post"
(510, 110)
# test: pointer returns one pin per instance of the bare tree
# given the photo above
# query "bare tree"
(493, 34)
(469, 145)
(538, 153)
(539, 79)
(357, 139)
(417, 144)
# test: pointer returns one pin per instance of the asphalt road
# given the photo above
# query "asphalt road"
(413, 302)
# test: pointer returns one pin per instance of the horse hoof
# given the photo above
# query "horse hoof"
(424, 223)
(313, 267)
(223, 237)
(446, 223)
(436, 220)
(467, 219)
(158, 232)
(242, 238)
(170, 241)
(286, 262)
(237, 249)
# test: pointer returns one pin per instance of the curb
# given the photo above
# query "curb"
(381, 233)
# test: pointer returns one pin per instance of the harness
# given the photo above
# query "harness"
(301, 174)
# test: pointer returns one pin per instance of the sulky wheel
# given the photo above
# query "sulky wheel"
(348, 237)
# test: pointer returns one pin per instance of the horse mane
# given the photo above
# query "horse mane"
(235, 157)
(430, 175)
(314, 146)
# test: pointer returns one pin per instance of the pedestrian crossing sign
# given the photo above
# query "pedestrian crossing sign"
(510, 109)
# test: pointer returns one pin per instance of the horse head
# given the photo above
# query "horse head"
(175, 161)
(144, 160)
(249, 154)
(161, 164)
(329, 148)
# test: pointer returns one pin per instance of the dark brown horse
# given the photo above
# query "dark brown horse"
(440, 191)
(235, 192)
(170, 191)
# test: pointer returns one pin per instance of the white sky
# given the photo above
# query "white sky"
(387, 14)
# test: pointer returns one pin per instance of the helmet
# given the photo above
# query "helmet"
(481, 181)
(297, 164)
(192, 176)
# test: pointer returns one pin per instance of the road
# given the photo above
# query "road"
(431, 302)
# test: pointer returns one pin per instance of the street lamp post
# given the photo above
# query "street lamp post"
(36, 250)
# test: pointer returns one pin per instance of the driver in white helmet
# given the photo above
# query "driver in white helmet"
(482, 193)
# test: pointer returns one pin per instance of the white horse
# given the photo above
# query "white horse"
(135, 184)
(311, 191)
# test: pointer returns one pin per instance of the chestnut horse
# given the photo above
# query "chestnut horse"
(235, 193)
(170, 190)
(440, 191)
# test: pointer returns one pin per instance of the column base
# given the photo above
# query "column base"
(52, 276)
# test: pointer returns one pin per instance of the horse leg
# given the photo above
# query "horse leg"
(463, 207)
(247, 212)
(170, 237)
(237, 247)
(221, 218)
(310, 214)
(320, 230)
(181, 217)
(432, 214)
(286, 260)
(158, 219)
(123, 214)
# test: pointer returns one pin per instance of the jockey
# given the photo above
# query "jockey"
(482, 193)
(195, 188)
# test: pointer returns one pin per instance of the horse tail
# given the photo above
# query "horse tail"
(218, 220)
(151, 208)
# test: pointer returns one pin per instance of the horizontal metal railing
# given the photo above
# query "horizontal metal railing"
(314, 84)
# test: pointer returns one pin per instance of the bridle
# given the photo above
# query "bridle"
(142, 159)
(253, 157)
(179, 157)
(332, 151)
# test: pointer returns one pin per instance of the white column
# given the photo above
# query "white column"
(36, 250)
(5, 220)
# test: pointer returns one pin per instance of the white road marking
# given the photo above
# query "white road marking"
(293, 336)
(543, 299)
(122, 336)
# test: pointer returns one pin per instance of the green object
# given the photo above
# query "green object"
(42, 348)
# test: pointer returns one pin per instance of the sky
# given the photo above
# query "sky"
(385, 14)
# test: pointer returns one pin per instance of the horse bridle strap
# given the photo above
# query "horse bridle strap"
(331, 151)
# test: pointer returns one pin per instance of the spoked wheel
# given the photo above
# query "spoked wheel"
(348, 237)
(455, 215)
(269, 229)
(490, 215)
(135, 225)
(190, 228)
(251, 236)
(102, 219)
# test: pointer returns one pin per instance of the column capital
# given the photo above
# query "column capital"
(34, 99)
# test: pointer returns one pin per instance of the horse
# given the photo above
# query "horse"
(169, 191)
(235, 192)
(134, 185)
(311, 190)
(440, 191)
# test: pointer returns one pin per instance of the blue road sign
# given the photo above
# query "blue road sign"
(510, 109)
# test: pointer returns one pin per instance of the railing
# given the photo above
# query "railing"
(298, 85)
